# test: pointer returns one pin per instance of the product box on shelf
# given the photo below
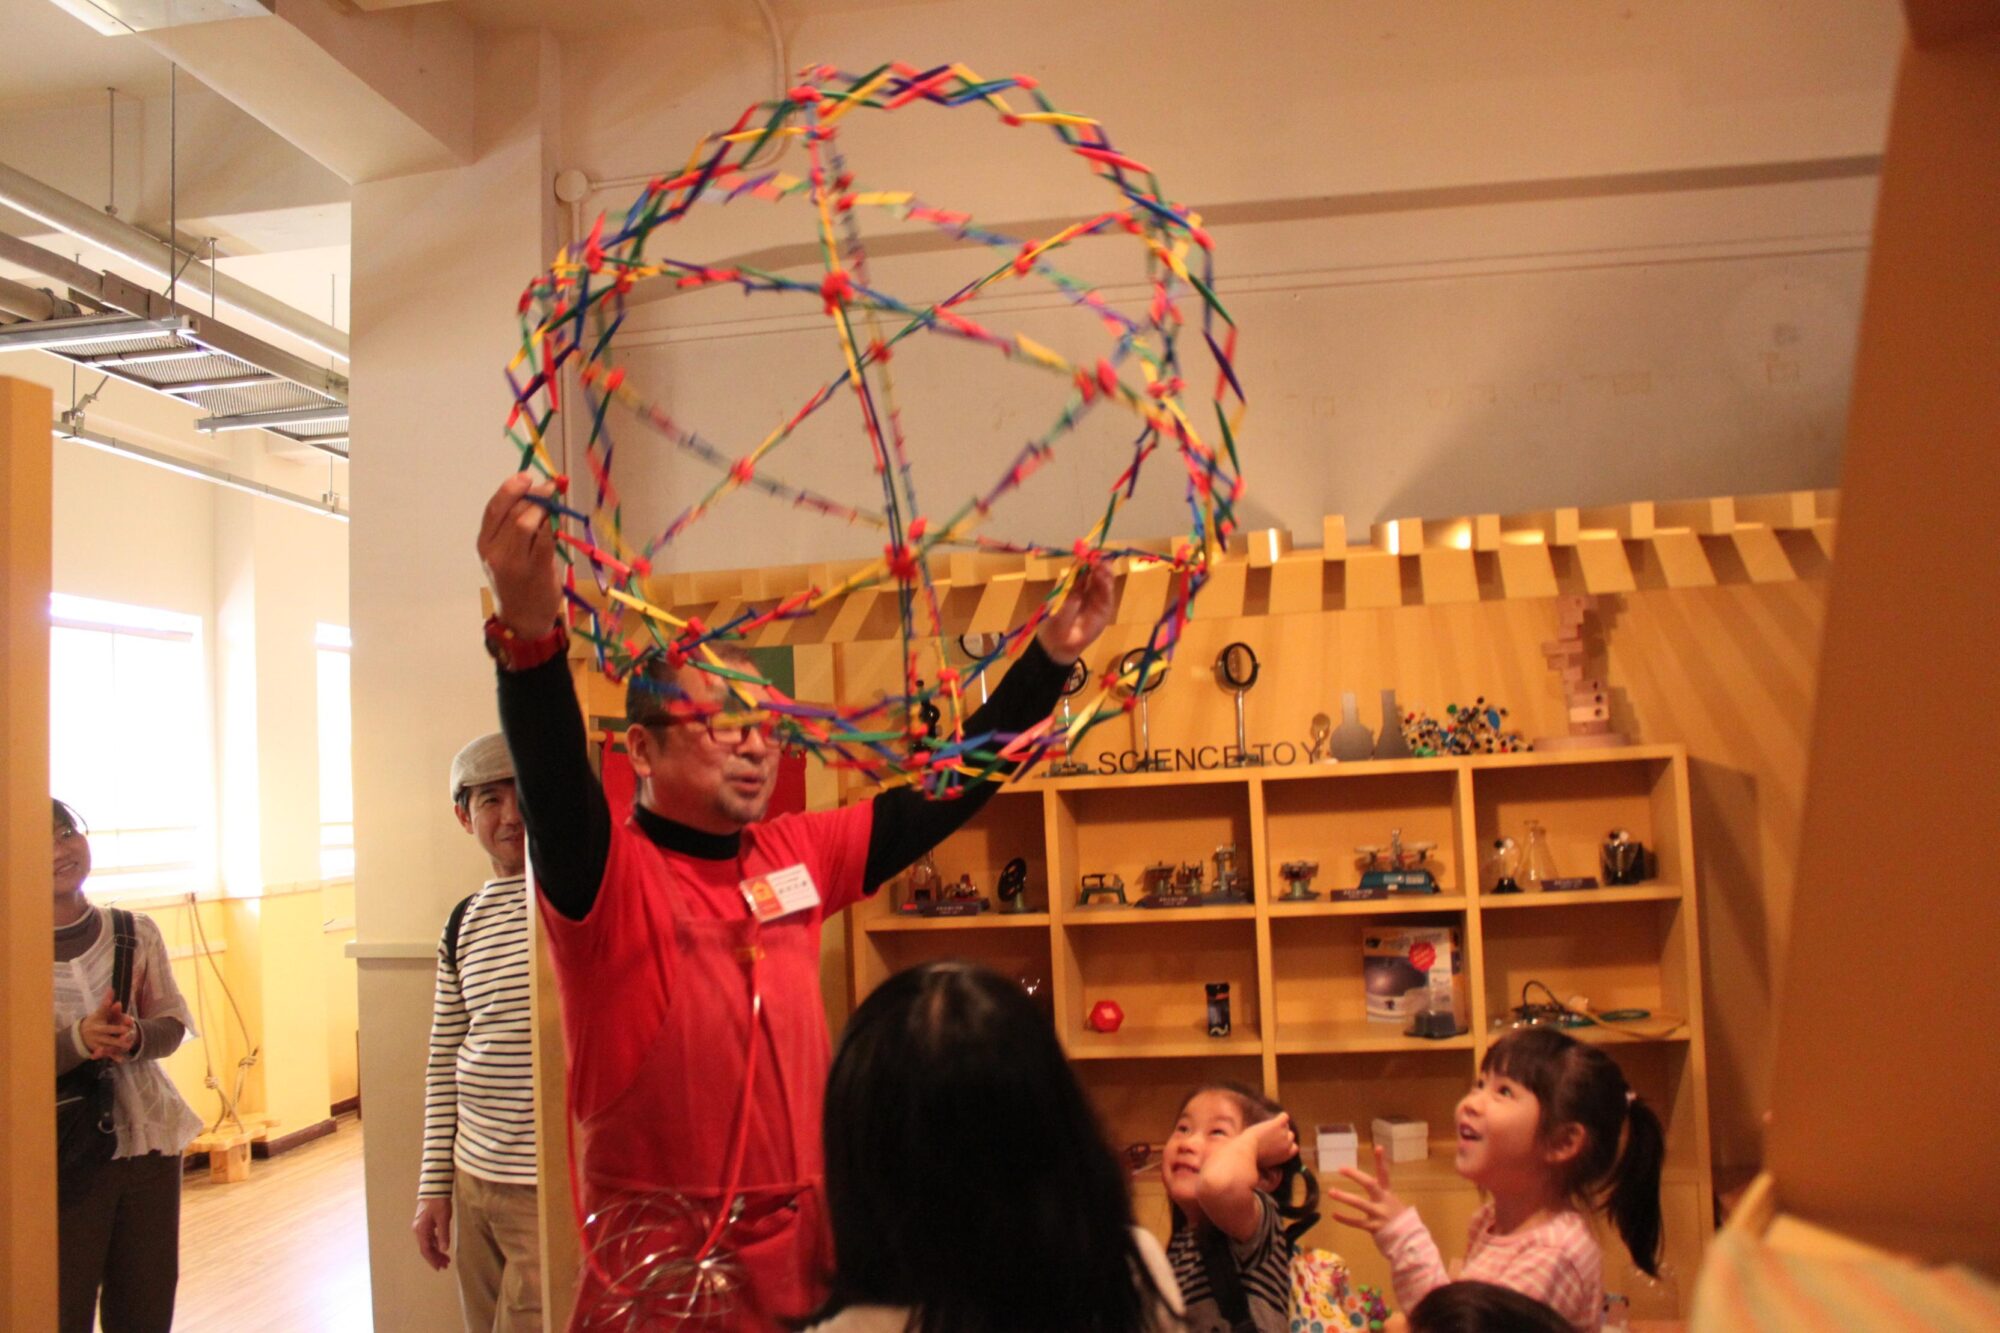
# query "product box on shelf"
(1410, 970)
(1338, 1147)
(1404, 1138)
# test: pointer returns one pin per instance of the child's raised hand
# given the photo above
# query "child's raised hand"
(1377, 1205)
(1275, 1142)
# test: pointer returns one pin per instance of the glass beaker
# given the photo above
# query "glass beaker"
(1538, 863)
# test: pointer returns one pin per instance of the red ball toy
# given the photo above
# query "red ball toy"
(1106, 1016)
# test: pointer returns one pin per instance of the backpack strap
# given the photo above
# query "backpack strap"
(124, 948)
(452, 926)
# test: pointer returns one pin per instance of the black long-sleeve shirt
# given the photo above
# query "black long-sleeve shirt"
(569, 822)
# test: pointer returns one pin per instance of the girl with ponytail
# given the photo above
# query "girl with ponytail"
(1550, 1132)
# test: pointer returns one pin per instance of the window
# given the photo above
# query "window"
(336, 745)
(129, 743)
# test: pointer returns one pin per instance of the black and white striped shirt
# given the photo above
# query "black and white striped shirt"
(479, 1089)
(1263, 1268)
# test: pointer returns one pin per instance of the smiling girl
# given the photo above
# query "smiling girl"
(1229, 1168)
(1549, 1132)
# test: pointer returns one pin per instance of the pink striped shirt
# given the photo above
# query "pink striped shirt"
(1556, 1260)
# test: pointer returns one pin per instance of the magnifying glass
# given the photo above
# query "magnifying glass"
(976, 647)
(1079, 676)
(1236, 669)
(1155, 675)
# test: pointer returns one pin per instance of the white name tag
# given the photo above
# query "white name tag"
(780, 893)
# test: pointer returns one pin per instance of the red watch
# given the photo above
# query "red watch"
(515, 653)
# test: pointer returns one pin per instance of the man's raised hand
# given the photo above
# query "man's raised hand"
(1082, 616)
(517, 550)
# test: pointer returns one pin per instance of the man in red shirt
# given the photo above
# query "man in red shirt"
(686, 934)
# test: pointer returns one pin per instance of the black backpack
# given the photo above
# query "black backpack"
(453, 924)
(86, 1130)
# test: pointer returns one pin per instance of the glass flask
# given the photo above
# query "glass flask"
(1538, 863)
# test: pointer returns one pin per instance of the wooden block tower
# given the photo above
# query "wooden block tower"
(1586, 699)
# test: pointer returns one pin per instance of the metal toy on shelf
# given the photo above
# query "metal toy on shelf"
(1232, 885)
(1236, 670)
(1622, 858)
(1298, 877)
(1013, 887)
(1397, 868)
(1167, 885)
(922, 887)
(1099, 884)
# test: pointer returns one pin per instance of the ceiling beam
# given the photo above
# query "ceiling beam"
(369, 96)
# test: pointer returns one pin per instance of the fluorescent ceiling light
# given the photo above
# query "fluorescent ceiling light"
(200, 473)
(53, 333)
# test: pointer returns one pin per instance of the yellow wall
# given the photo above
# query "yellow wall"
(293, 986)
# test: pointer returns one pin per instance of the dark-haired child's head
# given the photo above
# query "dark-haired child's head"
(1478, 1307)
(1209, 1115)
(1554, 1115)
(966, 1175)
(1212, 1114)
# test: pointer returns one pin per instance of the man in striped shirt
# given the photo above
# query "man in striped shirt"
(479, 1092)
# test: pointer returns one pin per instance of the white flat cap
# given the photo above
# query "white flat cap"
(482, 761)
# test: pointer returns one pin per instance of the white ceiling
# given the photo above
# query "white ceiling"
(48, 58)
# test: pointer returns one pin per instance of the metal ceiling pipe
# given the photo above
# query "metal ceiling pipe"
(18, 298)
(52, 207)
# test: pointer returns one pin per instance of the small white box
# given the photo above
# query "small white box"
(1405, 1138)
(1339, 1146)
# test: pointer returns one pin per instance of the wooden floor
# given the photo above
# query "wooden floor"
(286, 1249)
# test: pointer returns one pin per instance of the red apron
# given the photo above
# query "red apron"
(657, 1014)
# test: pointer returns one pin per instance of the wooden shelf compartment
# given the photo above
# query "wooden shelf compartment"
(1623, 955)
(1316, 981)
(1356, 1088)
(1359, 1086)
(1405, 904)
(1157, 973)
(1009, 825)
(1324, 818)
(1122, 830)
(882, 949)
(984, 921)
(1112, 915)
(1633, 893)
(1579, 802)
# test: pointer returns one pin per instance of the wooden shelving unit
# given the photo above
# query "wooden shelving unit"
(1300, 1028)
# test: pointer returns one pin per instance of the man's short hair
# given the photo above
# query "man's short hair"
(650, 690)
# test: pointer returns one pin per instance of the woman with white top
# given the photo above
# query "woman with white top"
(119, 1195)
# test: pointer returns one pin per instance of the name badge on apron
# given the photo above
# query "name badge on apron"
(780, 893)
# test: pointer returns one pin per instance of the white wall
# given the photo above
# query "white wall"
(435, 255)
(1483, 260)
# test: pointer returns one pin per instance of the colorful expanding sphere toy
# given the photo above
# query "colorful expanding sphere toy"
(570, 317)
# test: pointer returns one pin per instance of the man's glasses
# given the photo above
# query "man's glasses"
(727, 730)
